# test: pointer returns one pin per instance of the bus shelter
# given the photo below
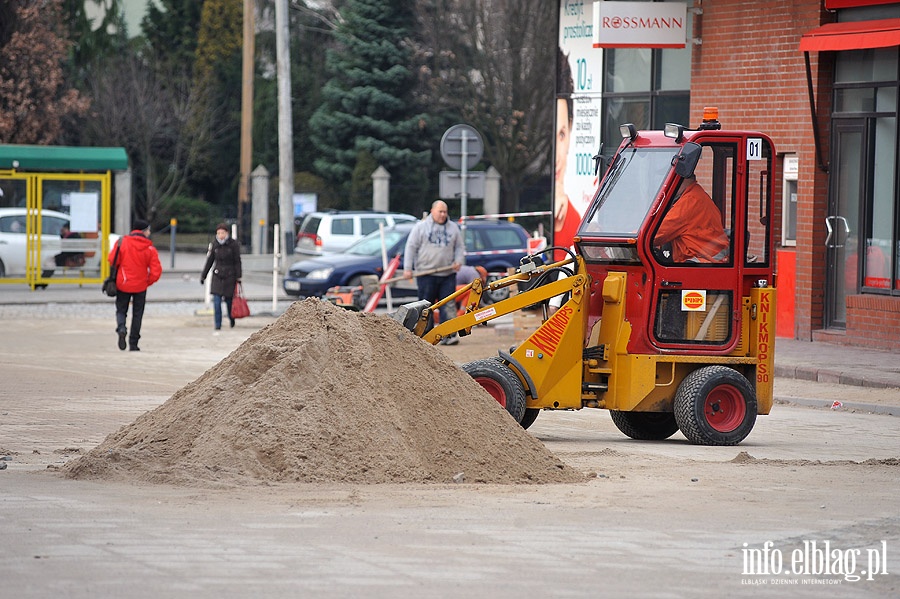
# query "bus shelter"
(56, 213)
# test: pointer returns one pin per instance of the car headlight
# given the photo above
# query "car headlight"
(320, 273)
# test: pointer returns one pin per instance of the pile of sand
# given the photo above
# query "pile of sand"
(326, 395)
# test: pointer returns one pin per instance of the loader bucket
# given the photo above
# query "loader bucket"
(408, 314)
(369, 284)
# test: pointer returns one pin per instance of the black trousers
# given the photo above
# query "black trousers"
(437, 287)
(137, 301)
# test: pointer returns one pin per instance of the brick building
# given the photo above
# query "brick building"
(822, 78)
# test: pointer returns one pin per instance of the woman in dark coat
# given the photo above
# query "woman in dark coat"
(225, 254)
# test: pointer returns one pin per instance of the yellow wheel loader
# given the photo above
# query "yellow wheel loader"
(664, 336)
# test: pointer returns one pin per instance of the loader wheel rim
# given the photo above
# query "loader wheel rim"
(724, 408)
(493, 388)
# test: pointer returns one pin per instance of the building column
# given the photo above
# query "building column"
(381, 189)
(491, 191)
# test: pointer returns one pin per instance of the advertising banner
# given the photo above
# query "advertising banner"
(577, 130)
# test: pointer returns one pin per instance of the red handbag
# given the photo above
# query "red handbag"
(239, 307)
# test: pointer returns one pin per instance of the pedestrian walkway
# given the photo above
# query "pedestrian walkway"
(813, 361)
(838, 364)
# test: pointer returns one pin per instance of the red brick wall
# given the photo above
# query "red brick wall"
(749, 65)
(873, 321)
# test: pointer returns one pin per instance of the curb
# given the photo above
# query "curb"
(884, 410)
(833, 377)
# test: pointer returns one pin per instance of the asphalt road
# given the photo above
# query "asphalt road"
(662, 519)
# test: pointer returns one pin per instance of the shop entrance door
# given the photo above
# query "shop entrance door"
(848, 189)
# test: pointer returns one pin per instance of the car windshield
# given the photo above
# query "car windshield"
(370, 245)
(627, 191)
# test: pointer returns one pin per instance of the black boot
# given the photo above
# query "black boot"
(121, 333)
(133, 345)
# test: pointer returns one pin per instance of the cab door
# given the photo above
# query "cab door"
(697, 300)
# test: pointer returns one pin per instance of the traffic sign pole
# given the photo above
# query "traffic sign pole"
(471, 149)
(464, 197)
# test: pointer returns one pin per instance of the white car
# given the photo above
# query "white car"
(80, 252)
(325, 233)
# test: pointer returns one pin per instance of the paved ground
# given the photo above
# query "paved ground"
(180, 285)
(663, 519)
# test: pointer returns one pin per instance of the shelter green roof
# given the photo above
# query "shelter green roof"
(62, 158)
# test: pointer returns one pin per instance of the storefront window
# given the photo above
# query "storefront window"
(629, 96)
(671, 108)
(865, 101)
(674, 72)
(879, 257)
(859, 66)
(623, 109)
(886, 99)
(854, 100)
(628, 70)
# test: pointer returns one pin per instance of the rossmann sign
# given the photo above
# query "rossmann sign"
(640, 24)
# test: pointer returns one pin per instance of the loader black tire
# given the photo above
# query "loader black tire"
(530, 416)
(645, 426)
(715, 405)
(501, 383)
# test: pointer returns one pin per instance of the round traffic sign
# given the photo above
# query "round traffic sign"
(461, 144)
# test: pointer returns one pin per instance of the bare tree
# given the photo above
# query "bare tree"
(492, 62)
(147, 114)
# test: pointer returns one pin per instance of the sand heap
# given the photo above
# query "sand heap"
(326, 395)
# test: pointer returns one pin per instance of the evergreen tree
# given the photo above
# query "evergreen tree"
(171, 33)
(215, 122)
(368, 104)
(98, 38)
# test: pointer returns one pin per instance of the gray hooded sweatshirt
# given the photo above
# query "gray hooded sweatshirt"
(431, 245)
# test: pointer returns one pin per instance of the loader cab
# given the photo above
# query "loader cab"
(686, 215)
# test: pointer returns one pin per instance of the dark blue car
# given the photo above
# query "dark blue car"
(495, 245)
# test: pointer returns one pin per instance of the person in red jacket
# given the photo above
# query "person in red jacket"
(138, 268)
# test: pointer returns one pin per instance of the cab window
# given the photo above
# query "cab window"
(693, 317)
(758, 172)
(699, 217)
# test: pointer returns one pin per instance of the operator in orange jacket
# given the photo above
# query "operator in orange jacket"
(138, 268)
(693, 225)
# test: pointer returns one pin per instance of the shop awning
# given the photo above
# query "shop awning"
(856, 35)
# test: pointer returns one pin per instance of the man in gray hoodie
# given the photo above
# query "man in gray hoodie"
(436, 242)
